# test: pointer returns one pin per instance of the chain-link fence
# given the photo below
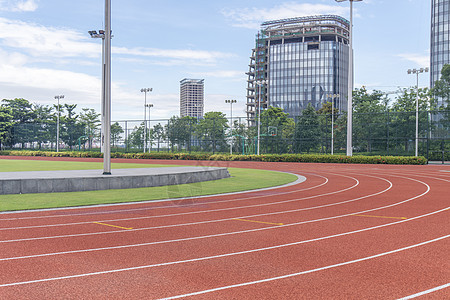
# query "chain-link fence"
(390, 133)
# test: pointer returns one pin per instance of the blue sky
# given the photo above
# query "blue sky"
(45, 49)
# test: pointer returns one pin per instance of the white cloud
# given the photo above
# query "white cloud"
(252, 17)
(221, 74)
(18, 6)
(43, 43)
(419, 59)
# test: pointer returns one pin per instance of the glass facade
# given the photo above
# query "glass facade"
(300, 75)
(300, 61)
(440, 37)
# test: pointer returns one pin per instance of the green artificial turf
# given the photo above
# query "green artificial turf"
(241, 180)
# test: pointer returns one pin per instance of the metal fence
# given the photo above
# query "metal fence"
(390, 133)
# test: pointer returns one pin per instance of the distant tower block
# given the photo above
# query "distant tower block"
(192, 94)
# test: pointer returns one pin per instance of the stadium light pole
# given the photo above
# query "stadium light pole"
(57, 123)
(231, 123)
(260, 83)
(101, 35)
(145, 91)
(149, 124)
(333, 97)
(106, 136)
(417, 72)
(350, 83)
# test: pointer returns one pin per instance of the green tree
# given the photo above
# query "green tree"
(307, 131)
(442, 87)
(212, 131)
(91, 122)
(135, 139)
(277, 130)
(116, 131)
(159, 133)
(6, 125)
(369, 123)
(326, 120)
(179, 131)
(403, 120)
(44, 127)
(23, 115)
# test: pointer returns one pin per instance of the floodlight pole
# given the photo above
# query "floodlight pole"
(149, 124)
(231, 121)
(145, 91)
(106, 135)
(350, 83)
(333, 97)
(95, 35)
(417, 72)
(259, 83)
(57, 123)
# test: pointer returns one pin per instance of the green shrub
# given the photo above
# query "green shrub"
(303, 158)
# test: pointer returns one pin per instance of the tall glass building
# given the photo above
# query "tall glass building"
(297, 62)
(440, 38)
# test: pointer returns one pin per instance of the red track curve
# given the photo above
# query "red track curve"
(348, 231)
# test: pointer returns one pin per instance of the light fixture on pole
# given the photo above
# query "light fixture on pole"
(260, 83)
(333, 97)
(350, 83)
(145, 91)
(106, 125)
(231, 122)
(149, 124)
(101, 35)
(417, 72)
(57, 122)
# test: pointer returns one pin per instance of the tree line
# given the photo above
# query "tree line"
(378, 125)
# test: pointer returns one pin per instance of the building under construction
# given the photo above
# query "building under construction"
(299, 61)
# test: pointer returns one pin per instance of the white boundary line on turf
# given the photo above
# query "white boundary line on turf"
(426, 292)
(300, 179)
(238, 253)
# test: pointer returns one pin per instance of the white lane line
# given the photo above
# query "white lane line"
(192, 213)
(219, 256)
(308, 271)
(426, 292)
(222, 220)
(225, 234)
(240, 232)
(297, 182)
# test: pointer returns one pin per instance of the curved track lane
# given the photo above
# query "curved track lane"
(348, 231)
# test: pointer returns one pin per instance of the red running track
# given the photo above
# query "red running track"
(347, 232)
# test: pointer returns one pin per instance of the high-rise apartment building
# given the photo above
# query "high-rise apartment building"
(440, 38)
(192, 93)
(299, 61)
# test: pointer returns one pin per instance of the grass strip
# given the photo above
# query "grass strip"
(241, 180)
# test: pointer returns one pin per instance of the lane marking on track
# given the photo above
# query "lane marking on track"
(426, 292)
(204, 211)
(220, 256)
(307, 271)
(112, 225)
(381, 217)
(244, 220)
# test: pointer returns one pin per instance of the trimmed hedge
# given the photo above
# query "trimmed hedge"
(305, 158)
